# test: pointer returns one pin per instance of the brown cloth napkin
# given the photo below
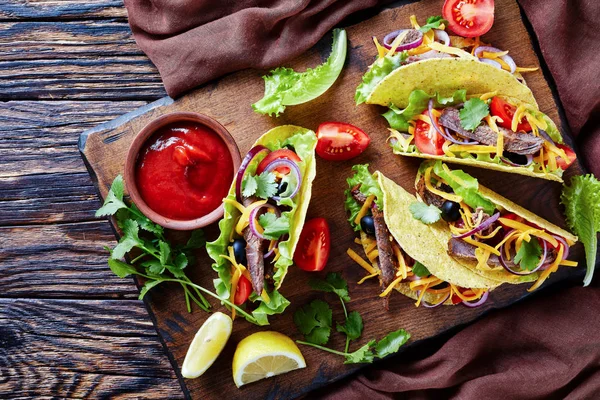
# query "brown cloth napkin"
(546, 347)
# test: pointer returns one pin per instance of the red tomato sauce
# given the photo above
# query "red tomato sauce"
(184, 171)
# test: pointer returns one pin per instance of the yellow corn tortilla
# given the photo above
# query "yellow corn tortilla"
(443, 234)
(444, 76)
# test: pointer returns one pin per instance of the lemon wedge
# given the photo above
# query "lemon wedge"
(207, 345)
(263, 355)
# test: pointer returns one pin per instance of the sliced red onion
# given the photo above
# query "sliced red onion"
(433, 305)
(479, 302)
(484, 225)
(523, 272)
(294, 169)
(443, 132)
(506, 58)
(255, 151)
(388, 40)
(491, 62)
(546, 136)
(529, 161)
(442, 36)
(270, 252)
(253, 218)
(566, 246)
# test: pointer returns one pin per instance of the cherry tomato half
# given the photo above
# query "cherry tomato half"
(427, 139)
(339, 141)
(469, 18)
(506, 111)
(312, 251)
(244, 288)
(564, 164)
(276, 155)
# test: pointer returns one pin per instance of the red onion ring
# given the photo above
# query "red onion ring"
(506, 58)
(525, 272)
(253, 218)
(546, 136)
(484, 225)
(388, 40)
(255, 151)
(491, 62)
(442, 36)
(294, 169)
(479, 302)
(446, 135)
(270, 252)
(529, 161)
(433, 305)
(565, 246)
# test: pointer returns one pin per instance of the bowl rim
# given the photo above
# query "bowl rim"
(132, 156)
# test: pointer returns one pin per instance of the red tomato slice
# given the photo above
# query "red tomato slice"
(506, 111)
(244, 288)
(469, 18)
(564, 164)
(276, 155)
(339, 141)
(312, 251)
(427, 139)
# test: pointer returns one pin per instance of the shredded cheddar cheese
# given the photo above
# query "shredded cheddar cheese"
(451, 50)
(244, 219)
(447, 196)
(546, 273)
(364, 209)
(360, 261)
(482, 246)
(472, 148)
(391, 286)
(367, 277)
(511, 223)
(380, 48)
(265, 296)
(488, 95)
(399, 39)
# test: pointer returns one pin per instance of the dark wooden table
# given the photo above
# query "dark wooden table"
(68, 326)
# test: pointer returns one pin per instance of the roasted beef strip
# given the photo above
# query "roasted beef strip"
(254, 255)
(514, 142)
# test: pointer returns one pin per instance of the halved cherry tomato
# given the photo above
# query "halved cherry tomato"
(427, 139)
(339, 141)
(244, 288)
(275, 155)
(469, 18)
(312, 251)
(506, 111)
(564, 164)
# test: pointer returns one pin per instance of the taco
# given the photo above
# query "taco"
(401, 251)
(264, 214)
(487, 233)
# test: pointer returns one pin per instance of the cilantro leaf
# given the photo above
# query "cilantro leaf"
(528, 256)
(128, 241)
(472, 113)
(249, 185)
(144, 222)
(353, 327)
(147, 286)
(420, 270)
(274, 227)
(428, 214)
(286, 87)
(196, 240)
(314, 321)
(333, 283)
(154, 266)
(363, 355)
(433, 23)
(165, 252)
(266, 185)
(391, 343)
(582, 209)
(114, 199)
(120, 268)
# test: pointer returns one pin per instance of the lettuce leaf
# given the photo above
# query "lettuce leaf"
(417, 103)
(381, 68)
(368, 186)
(286, 87)
(582, 209)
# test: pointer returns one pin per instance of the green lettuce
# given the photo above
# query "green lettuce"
(381, 68)
(368, 186)
(582, 209)
(417, 103)
(286, 87)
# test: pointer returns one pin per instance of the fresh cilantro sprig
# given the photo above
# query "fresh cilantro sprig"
(263, 185)
(315, 321)
(528, 255)
(158, 260)
(473, 111)
(274, 226)
(420, 270)
(428, 214)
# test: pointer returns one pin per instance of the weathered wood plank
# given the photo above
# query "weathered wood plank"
(59, 261)
(78, 60)
(61, 9)
(79, 348)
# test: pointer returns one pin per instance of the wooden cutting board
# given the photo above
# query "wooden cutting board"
(228, 100)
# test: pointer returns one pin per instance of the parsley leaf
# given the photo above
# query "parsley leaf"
(427, 214)
(391, 343)
(353, 327)
(333, 283)
(528, 256)
(420, 270)
(362, 355)
(582, 209)
(433, 23)
(274, 227)
(314, 321)
(472, 113)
